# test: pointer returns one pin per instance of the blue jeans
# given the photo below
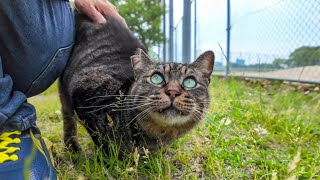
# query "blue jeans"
(36, 38)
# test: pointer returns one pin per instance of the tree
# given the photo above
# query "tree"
(279, 63)
(143, 18)
(304, 56)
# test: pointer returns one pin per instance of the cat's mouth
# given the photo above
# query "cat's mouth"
(173, 110)
(171, 115)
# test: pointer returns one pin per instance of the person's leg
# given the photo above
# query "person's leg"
(36, 38)
(15, 112)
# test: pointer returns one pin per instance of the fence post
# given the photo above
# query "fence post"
(186, 32)
(228, 39)
(164, 32)
(195, 30)
(171, 29)
(176, 38)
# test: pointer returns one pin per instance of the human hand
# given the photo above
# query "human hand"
(97, 9)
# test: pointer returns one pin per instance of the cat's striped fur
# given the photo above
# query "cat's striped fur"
(107, 83)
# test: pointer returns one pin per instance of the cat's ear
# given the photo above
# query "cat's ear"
(140, 61)
(205, 63)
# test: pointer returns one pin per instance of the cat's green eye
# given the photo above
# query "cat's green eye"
(156, 78)
(189, 83)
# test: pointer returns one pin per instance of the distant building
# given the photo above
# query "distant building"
(240, 61)
(218, 65)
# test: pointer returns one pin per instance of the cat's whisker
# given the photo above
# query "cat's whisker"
(105, 106)
(125, 100)
(141, 113)
(130, 108)
(135, 106)
(88, 107)
(194, 113)
(132, 104)
(119, 96)
(115, 104)
(200, 110)
(203, 114)
(199, 116)
(133, 100)
(97, 110)
(205, 101)
(144, 115)
(205, 110)
(124, 107)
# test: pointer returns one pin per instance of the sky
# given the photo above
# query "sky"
(261, 30)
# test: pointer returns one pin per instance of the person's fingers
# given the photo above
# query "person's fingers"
(108, 9)
(97, 9)
(88, 7)
(96, 16)
(110, 5)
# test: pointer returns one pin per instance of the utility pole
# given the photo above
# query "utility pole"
(164, 50)
(195, 30)
(186, 32)
(171, 29)
(228, 39)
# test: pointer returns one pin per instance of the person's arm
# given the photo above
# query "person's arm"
(97, 9)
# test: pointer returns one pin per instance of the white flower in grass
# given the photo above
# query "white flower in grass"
(226, 121)
(131, 169)
(260, 131)
(58, 112)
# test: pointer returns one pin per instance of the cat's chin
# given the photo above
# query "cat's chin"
(172, 111)
(171, 116)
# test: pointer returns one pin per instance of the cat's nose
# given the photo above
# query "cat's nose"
(173, 93)
(173, 89)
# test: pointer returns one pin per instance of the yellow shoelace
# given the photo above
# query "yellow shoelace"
(5, 140)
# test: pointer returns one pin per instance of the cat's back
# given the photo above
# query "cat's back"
(101, 52)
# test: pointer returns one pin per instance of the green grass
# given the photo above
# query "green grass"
(249, 133)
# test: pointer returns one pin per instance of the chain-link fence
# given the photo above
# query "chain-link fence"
(275, 39)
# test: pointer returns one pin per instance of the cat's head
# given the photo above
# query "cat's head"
(172, 93)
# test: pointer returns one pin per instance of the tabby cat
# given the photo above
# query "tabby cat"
(122, 96)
